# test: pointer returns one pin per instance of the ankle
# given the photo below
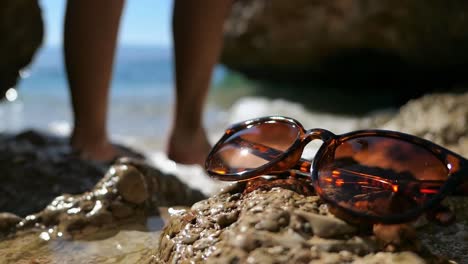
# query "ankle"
(79, 139)
(188, 146)
(97, 150)
(187, 132)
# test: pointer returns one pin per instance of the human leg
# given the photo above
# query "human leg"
(90, 37)
(197, 33)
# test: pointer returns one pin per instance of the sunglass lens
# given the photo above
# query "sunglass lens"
(380, 176)
(252, 147)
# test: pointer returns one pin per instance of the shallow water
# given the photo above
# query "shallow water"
(124, 247)
(130, 243)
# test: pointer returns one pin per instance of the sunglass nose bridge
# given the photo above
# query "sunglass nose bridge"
(318, 133)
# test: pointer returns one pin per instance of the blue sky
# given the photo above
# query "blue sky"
(145, 22)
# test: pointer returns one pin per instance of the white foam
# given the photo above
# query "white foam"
(253, 107)
(60, 127)
(192, 175)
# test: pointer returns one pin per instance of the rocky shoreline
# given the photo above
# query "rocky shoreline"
(275, 221)
(37, 167)
(130, 189)
(284, 223)
(129, 197)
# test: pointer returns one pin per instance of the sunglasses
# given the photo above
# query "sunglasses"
(375, 176)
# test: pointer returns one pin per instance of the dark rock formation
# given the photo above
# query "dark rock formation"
(36, 168)
(21, 31)
(383, 40)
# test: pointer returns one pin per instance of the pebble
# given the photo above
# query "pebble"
(327, 226)
(132, 185)
(8, 221)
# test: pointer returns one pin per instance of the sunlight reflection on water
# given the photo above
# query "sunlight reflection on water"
(127, 244)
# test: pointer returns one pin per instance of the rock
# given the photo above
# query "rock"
(165, 189)
(275, 225)
(442, 118)
(301, 39)
(390, 235)
(21, 31)
(132, 185)
(120, 210)
(86, 227)
(129, 191)
(8, 221)
(326, 226)
(37, 167)
(282, 221)
(388, 258)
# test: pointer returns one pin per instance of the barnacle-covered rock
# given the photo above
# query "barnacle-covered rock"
(278, 225)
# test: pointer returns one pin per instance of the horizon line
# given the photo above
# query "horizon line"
(122, 44)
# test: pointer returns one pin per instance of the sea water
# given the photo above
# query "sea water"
(142, 100)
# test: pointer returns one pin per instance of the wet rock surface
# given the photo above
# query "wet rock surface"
(37, 167)
(276, 226)
(130, 190)
(117, 221)
(130, 245)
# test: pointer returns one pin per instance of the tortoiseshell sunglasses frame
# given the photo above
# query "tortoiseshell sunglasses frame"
(290, 161)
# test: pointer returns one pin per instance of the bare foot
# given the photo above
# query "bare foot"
(101, 152)
(188, 147)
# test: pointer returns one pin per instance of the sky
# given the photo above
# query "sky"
(145, 22)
